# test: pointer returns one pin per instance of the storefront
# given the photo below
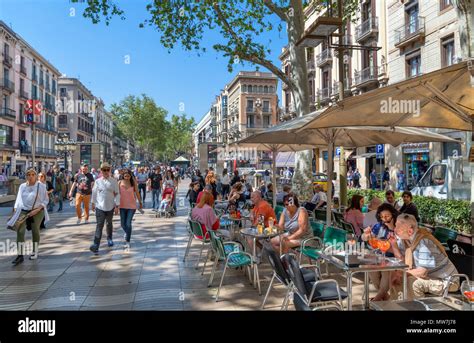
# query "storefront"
(416, 161)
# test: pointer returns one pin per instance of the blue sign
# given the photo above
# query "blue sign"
(379, 151)
(338, 151)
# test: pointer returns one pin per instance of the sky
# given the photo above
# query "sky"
(98, 54)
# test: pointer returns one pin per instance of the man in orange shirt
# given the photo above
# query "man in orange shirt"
(261, 208)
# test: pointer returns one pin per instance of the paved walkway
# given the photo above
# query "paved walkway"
(151, 276)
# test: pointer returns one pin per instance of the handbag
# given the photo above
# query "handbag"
(23, 215)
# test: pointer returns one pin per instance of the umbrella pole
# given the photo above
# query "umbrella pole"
(274, 152)
(330, 176)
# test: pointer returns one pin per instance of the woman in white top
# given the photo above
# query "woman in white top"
(32, 199)
(225, 181)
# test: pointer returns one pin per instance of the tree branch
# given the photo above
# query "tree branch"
(280, 12)
(251, 58)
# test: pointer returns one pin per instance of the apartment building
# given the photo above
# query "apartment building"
(25, 74)
(77, 110)
(365, 68)
(103, 127)
(423, 37)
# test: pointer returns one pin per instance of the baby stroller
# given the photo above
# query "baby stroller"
(168, 210)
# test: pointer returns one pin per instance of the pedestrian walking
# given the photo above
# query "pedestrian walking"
(59, 186)
(373, 179)
(129, 195)
(142, 177)
(356, 178)
(30, 208)
(105, 203)
(225, 181)
(386, 179)
(156, 182)
(83, 183)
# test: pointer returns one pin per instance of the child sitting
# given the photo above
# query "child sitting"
(165, 202)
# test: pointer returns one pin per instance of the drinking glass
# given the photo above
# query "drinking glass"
(383, 246)
(351, 241)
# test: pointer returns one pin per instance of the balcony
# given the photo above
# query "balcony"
(324, 95)
(39, 151)
(267, 110)
(367, 29)
(7, 113)
(34, 77)
(251, 109)
(310, 66)
(46, 127)
(24, 95)
(7, 85)
(324, 58)
(9, 145)
(41, 82)
(347, 88)
(410, 32)
(366, 76)
(63, 126)
(7, 59)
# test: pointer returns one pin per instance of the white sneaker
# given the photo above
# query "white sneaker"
(86, 221)
(78, 222)
(34, 256)
(126, 245)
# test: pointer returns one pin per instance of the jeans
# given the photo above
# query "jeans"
(225, 191)
(59, 194)
(155, 196)
(142, 188)
(102, 217)
(126, 216)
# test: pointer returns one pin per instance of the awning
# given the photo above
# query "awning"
(366, 155)
(285, 159)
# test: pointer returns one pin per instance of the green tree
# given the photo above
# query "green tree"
(142, 121)
(179, 133)
(241, 24)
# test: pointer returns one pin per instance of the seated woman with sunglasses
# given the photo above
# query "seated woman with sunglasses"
(294, 220)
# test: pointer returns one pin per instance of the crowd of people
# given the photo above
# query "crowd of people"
(106, 192)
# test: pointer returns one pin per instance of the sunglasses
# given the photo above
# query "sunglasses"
(106, 169)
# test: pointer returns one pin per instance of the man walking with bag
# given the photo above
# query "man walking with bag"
(105, 203)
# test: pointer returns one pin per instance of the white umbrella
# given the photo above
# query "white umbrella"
(350, 137)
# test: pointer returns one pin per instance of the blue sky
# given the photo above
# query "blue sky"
(97, 53)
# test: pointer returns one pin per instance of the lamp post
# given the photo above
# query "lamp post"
(64, 148)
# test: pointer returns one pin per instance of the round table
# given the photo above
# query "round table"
(254, 235)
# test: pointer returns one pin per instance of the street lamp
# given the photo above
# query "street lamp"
(65, 148)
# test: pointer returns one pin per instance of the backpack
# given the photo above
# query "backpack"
(356, 177)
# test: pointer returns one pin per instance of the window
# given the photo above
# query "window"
(266, 121)
(260, 89)
(435, 176)
(22, 85)
(413, 65)
(6, 50)
(411, 16)
(265, 89)
(250, 105)
(21, 114)
(447, 51)
(62, 120)
(244, 88)
(6, 135)
(5, 101)
(266, 106)
(272, 90)
(444, 4)
(250, 121)
(6, 74)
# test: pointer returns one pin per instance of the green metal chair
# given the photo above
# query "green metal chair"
(320, 214)
(317, 227)
(348, 227)
(443, 234)
(231, 253)
(278, 211)
(338, 218)
(333, 237)
(196, 232)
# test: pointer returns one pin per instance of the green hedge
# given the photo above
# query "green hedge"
(454, 214)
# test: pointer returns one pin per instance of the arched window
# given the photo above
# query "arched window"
(244, 88)
(272, 90)
(260, 89)
(265, 89)
(250, 89)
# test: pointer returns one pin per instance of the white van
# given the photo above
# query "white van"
(446, 179)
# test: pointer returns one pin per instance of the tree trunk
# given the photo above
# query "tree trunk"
(466, 23)
(297, 58)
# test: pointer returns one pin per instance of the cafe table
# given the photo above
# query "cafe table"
(252, 233)
(364, 263)
(423, 304)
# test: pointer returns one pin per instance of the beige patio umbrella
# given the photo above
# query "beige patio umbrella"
(348, 137)
(259, 142)
(440, 99)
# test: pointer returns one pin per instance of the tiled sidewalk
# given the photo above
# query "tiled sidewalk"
(151, 276)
